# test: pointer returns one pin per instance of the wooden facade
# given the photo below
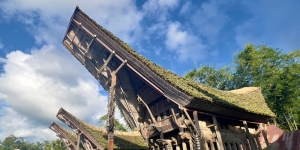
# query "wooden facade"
(170, 112)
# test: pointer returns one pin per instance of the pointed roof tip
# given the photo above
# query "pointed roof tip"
(60, 111)
(77, 8)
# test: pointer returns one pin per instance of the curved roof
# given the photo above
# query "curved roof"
(64, 133)
(122, 140)
(183, 91)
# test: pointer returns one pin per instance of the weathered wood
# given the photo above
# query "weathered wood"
(228, 146)
(239, 146)
(111, 111)
(78, 141)
(219, 137)
(212, 146)
(191, 144)
(250, 138)
(79, 25)
(148, 109)
(263, 131)
(89, 45)
(184, 147)
(106, 62)
(234, 146)
(258, 143)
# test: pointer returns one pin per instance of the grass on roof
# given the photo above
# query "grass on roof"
(122, 140)
(254, 104)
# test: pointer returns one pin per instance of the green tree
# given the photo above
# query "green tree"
(12, 142)
(218, 78)
(276, 72)
(118, 126)
(55, 145)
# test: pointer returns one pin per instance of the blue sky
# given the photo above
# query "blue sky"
(38, 75)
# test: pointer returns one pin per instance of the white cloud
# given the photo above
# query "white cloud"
(209, 18)
(20, 126)
(272, 23)
(186, 45)
(49, 19)
(185, 8)
(159, 9)
(36, 85)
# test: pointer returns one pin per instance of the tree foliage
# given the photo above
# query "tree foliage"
(11, 142)
(118, 125)
(277, 73)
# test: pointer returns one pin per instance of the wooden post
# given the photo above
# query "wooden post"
(206, 145)
(111, 111)
(212, 146)
(239, 146)
(234, 146)
(191, 144)
(258, 143)
(184, 146)
(264, 133)
(253, 147)
(78, 141)
(229, 146)
(219, 138)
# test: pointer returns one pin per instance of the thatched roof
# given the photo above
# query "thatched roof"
(122, 140)
(68, 135)
(253, 103)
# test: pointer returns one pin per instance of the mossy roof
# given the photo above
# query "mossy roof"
(70, 135)
(253, 104)
(122, 140)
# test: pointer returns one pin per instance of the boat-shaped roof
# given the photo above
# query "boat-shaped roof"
(182, 91)
(98, 136)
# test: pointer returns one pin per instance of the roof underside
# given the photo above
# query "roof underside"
(250, 105)
(122, 140)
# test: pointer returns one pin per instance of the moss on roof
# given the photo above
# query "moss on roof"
(195, 90)
(122, 140)
(69, 134)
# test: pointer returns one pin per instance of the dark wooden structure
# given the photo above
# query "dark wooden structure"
(169, 111)
(68, 137)
(90, 137)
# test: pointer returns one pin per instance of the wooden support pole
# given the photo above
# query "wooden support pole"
(206, 145)
(264, 133)
(234, 146)
(253, 147)
(184, 147)
(239, 146)
(258, 143)
(78, 141)
(228, 147)
(111, 111)
(219, 137)
(89, 45)
(191, 144)
(106, 62)
(212, 146)
(149, 111)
